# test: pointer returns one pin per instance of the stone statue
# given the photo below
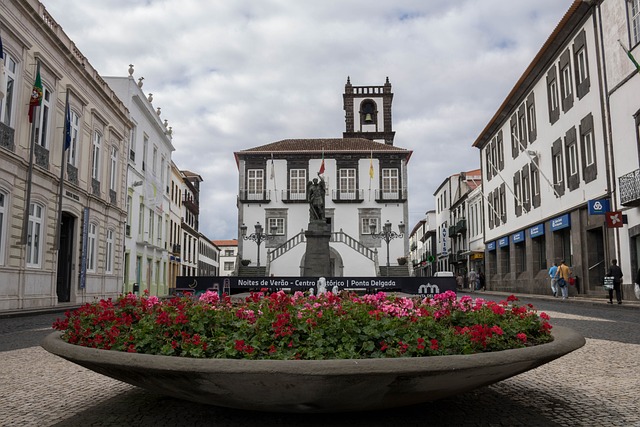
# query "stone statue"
(315, 196)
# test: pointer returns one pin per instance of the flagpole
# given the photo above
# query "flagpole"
(65, 134)
(25, 219)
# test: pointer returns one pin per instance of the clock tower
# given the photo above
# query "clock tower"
(368, 112)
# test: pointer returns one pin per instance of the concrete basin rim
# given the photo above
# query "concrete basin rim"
(565, 341)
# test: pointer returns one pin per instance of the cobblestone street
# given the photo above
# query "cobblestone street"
(596, 385)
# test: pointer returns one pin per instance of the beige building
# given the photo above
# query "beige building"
(34, 270)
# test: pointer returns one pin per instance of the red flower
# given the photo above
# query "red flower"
(512, 298)
(522, 337)
(434, 345)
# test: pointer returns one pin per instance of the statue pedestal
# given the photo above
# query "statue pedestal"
(316, 260)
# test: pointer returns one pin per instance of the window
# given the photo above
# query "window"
(566, 82)
(6, 105)
(42, 121)
(517, 194)
(347, 184)
(114, 169)
(531, 118)
(95, 158)
(145, 149)
(525, 190)
(522, 128)
(150, 229)
(141, 220)
(159, 229)
(229, 265)
(3, 197)
(275, 226)
(91, 248)
(154, 160)
(72, 152)
(367, 222)
(132, 143)
(255, 184)
(34, 235)
(128, 226)
(552, 95)
(572, 159)
(229, 252)
(634, 18)
(390, 183)
(162, 168)
(557, 169)
(298, 184)
(108, 267)
(587, 142)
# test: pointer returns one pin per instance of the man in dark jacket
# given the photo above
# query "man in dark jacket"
(616, 272)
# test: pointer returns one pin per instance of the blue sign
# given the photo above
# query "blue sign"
(536, 230)
(518, 237)
(598, 207)
(491, 246)
(503, 242)
(560, 222)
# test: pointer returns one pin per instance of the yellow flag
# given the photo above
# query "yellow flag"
(371, 166)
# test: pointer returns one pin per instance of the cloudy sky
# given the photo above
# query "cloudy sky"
(231, 75)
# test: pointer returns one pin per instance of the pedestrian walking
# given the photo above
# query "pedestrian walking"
(482, 281)
(473, 278)
(616, 272)
(564, 273)
(553, 274)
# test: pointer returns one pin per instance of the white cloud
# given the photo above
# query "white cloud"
(230, 75)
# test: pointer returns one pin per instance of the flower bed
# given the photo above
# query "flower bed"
(288, 327)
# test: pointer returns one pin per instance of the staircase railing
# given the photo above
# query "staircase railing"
(285, 247)
(342, 237)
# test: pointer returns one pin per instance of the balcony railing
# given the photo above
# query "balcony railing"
(398, 195)
(6, 137)
(341, 196)
(289, 196)
(248, 196)
(629, 185)
(175, 249)
(461, 226)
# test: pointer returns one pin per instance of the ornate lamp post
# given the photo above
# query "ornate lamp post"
(259, 236)
(387, 234)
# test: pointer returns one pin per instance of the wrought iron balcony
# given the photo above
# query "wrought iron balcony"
(289, 196)
(254, 196)
(398, 195)
(6, 137)
(461, 226)
(629, 185)
(342, 196)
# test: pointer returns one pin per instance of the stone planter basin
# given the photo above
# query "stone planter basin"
(312, 386)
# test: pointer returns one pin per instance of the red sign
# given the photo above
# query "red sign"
(614, 219)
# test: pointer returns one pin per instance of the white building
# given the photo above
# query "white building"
(175, 225)
(208, 257)
(148, 193)
(544, 157)
(621, 21)
(228, 256)
(41, 264)
(366, 181)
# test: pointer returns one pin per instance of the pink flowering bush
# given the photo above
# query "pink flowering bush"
(299, 326)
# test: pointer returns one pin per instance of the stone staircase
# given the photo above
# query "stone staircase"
(394, 271)
(252, 271)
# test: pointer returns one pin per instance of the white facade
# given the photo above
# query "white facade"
(149, 174)
(228, 256)
(622, 22)
(353, 201)
(208, 257)
(190, 190)
(544, 156)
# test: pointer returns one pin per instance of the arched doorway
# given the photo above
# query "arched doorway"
(65, 258)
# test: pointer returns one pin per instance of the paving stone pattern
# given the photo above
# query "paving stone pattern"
(597, 385)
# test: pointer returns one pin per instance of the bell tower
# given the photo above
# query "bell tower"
(368, 112)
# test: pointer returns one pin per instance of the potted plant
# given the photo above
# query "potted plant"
(402, 260)
(245, 262)
(282, 352)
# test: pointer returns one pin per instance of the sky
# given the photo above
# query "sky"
(232, 75)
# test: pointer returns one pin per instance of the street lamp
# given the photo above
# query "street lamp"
(259, 236)
(387, 235)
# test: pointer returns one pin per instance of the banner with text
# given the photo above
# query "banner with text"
(426, 286)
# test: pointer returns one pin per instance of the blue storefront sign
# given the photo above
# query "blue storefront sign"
(491, 246)
(536, 231)
(560, 222)
(503, 242)
(598, 206)
(518, 237)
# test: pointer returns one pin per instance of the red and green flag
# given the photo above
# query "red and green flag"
(321, 171)
(36, 95)
(630, 56)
